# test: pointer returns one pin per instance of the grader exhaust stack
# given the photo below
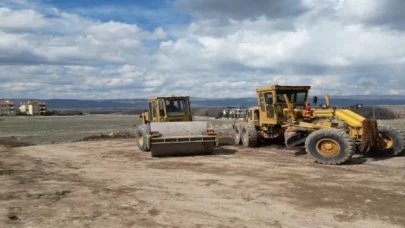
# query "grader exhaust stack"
(168, 129)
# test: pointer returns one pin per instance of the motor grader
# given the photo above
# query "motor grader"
(330, 135)
(168, 129)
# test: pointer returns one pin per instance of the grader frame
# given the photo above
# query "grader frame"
(331, 135)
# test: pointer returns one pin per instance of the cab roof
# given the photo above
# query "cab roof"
(169, 97)
(281, 87)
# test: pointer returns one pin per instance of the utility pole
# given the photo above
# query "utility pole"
(373, 113)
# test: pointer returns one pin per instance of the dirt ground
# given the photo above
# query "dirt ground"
(54, 129)
(110, 183)
(58, 129)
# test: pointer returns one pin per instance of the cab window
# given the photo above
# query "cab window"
(175, 107)
(153, 108)
(268, 98)
(161, 108)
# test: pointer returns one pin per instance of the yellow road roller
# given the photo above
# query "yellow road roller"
(168, 129)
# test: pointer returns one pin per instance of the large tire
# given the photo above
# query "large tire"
(237, 133)
(142, 135)
(249, 135)
(394, 141)
(330, 146)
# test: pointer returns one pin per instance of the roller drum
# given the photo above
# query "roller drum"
(181, 138)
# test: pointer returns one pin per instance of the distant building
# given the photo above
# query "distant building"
(235, 112)
(7, 108)
(33, 108)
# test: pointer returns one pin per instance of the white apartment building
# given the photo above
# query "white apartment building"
(7, 108)
(33, 108)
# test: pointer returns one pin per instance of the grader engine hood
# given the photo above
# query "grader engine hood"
(349, 117)
(363, 130)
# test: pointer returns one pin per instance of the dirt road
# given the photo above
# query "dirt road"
(112, 184)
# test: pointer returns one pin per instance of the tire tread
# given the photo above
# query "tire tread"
(347, 140)
(252, 135)
(400, 136)
(145, 131)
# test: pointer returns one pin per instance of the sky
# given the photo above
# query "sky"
(203, 48)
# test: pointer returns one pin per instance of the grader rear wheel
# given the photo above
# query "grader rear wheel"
(330, 146)
(249, 135)
(237, 133)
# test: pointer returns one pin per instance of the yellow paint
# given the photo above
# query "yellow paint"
(327, 100)
(327, 147)
(293, 118)
(289, 107)
(157, 110)
(140, 139)
(349, 117)
(388, 141)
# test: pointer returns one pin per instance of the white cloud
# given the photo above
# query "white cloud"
(339, 47)
(322, 50)
(66, 38)
(113, 31)
(21, 20)
(388, 13)
(241, 9)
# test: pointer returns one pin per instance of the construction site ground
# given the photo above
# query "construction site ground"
(65, 181)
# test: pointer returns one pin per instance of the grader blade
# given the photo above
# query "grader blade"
(181, 138)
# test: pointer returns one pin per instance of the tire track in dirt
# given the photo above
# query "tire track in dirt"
(111, 182)
(356, 192)
(26, 191)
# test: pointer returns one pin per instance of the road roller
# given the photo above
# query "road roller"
(168, 129)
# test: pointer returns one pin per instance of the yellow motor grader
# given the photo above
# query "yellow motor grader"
(331, 135)
(168, 129)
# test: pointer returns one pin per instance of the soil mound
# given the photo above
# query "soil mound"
(13, 143)
(113, 135)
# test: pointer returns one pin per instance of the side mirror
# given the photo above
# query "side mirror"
(315, 100)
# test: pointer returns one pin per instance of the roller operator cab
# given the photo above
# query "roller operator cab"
(331, 135)
(167, 109)
(168, 129)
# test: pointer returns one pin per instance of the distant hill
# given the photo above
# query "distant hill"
(204, 102)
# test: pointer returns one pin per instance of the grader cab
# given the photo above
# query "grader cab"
(168, 129)
(331, 135)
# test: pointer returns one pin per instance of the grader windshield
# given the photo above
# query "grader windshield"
(296, 97)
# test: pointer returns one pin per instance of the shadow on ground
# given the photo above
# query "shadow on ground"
(355, 160)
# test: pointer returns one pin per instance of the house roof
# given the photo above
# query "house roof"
(5, 102)
(34, 103)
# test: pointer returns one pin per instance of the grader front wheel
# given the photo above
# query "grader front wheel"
(330, 146)
(392, 141)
